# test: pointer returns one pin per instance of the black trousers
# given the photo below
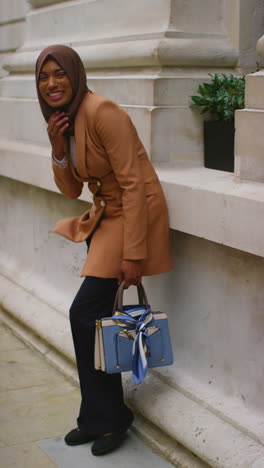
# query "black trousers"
(102, 407)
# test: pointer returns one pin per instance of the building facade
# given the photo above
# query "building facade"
(150, 56)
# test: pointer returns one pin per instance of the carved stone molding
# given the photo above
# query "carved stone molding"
(148, 53)
(260, 47)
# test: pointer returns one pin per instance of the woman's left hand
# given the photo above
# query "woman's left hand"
(58, 123)
(130, 273)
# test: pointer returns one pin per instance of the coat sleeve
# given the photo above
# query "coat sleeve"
(118, 136)
(65, 181)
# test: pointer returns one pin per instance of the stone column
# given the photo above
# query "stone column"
(249, 144)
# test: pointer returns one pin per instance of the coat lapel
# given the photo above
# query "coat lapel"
(80, 133)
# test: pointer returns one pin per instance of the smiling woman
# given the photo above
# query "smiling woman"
(54, 85)
(126, 229)
(54, 65)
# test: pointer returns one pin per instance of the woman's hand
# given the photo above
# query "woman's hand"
(57, 125)
(130, 273)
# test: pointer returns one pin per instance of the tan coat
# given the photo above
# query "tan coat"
(128, 218)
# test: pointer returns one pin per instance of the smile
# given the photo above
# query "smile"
(55, 96)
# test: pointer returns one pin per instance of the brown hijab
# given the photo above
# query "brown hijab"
(71, 63)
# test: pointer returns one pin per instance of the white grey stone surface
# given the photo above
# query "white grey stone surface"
(12, 28)
(11, 36)
(133, 452)
(254, 91)
(251, 27)
(249, 146)
(13, 10)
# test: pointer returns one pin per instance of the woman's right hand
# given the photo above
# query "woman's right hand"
(57, 125)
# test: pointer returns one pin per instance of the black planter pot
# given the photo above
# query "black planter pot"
(219, 145)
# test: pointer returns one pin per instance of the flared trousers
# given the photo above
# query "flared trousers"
(102, 407)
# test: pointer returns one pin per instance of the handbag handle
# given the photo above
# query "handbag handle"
(142, 297)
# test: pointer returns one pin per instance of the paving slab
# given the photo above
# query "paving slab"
(21, 368)
(25, 456)
(7, 343)
(33, 413)
(131, 454)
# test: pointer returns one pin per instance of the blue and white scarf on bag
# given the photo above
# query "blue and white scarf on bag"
(131, 320)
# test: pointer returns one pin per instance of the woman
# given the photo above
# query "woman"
(93, 140)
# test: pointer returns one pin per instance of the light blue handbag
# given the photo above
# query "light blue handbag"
(134, 338)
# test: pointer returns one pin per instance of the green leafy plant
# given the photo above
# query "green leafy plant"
(222, 96)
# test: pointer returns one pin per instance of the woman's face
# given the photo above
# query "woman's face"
(54, 85)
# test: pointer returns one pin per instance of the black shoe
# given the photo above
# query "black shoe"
(107, 443)
(77, 437)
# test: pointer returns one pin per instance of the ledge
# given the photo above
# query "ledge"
(134, 52)
(17, 157)
(205, 203)
(215, 205)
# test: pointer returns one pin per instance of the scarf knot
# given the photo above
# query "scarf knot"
(141, 348)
